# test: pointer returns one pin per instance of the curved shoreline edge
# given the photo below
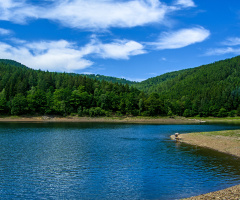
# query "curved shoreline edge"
(227, 142)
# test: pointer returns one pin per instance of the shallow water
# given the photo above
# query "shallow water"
(108, 161)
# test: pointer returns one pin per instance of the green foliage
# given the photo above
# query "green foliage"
(27, 91)
(204, 91)
(209, 90)
(188, 113)
(222, 112)
(109, 79)
(96, 112)
(3, 103)
(19, 105)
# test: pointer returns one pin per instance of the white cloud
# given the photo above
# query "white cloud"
(92, 14)
(181, 38)
(53, 56)
(229, 42)
(101, 14)
(5, 31)
(185, 3)
(17, 11)
(120, 49)
(65, 56)
(222, 51)
(87, 14)
(232, 41)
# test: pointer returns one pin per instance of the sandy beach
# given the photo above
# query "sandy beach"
(223, 141)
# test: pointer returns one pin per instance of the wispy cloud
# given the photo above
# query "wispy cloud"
(181, 38)
(232, 41)
(5, 31)
(185, 3)
(119, 49)
(65, 56)
(222, 51)
(17, 11)
(230, 46)
(53, 55)
(92, 14)
(95, 14)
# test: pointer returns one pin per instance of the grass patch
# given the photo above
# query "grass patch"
(227, 133)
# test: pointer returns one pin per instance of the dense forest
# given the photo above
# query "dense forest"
(28, 91)
(109, 79)
(209, 90)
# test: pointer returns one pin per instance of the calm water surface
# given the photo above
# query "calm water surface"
(108, 161)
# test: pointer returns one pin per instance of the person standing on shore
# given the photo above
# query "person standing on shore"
(177, 136)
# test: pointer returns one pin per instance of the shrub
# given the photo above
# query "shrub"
(96, 111)
(222, 112)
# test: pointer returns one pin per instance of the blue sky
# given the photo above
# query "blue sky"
(132, 39)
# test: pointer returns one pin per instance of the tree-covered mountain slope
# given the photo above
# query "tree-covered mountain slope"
(207, 80)
(109, 78)
(151, 84)
(92, 76)
(12, 63)
(207, 88)
(27, 91)
(194, 80)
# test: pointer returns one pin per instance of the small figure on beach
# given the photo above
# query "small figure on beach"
(177, 136)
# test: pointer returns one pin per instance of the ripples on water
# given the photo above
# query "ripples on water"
(108, 161)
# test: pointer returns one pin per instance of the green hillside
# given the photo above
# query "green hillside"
(150, 85)
(108, 78)
(209, 90)
(92, 76)
(27, 91)
(12, 63)
(202, 90)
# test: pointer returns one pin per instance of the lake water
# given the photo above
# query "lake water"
(108, 161)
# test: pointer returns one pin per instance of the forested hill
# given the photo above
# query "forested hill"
(109, 78)
(92, 76)
(195, 81)
(12, 63)
(209, 90)
(27, 91)
(150, 85)
(203, 90)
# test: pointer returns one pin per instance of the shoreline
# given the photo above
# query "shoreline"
(227, 142)
(122, 119)
(134, 120)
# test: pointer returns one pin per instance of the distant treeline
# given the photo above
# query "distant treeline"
(210, 90)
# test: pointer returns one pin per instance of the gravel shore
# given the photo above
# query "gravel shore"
(232, 193)
(223, 141)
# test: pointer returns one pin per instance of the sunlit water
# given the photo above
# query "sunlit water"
(108, 161)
